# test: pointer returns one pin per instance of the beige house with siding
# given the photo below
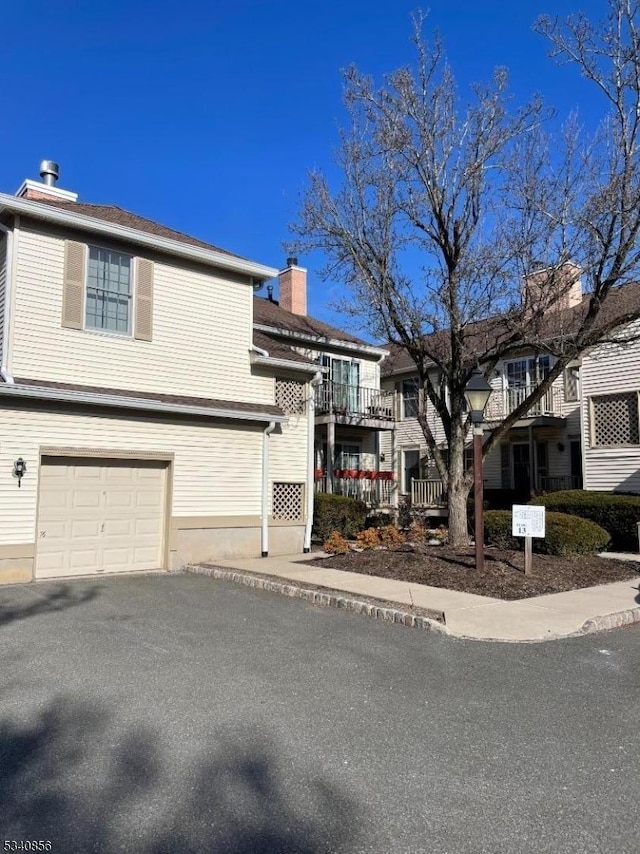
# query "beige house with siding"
(610, 381)
(142, 427)
(352, 413)
(584, 432)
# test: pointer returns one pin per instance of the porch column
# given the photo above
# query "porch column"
(330, 461)
(532, 462)
(396, 471)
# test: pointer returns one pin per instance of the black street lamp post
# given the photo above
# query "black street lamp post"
(477, 392)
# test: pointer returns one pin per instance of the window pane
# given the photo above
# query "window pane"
(410, 398)
(517, 373)
(108, 290)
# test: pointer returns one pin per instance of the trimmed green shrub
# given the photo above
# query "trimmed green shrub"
(497, 529)
(337, 513)
(566, 535)
(617, 514)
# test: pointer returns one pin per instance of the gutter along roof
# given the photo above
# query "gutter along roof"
(115, 222)
(141, 400)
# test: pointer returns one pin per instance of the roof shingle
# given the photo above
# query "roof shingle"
(621, 303)
(268, 313)
(119, 216)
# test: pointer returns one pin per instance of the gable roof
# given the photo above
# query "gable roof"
(619, 307)
(120, 216)
(277, 349)
(126, 226)
(269, 313)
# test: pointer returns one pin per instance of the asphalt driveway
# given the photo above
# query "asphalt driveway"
(179, 714)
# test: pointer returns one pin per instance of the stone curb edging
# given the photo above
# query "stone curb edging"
(610, 621)
(317, 597)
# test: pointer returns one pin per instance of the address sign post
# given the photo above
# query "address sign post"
(527, 522)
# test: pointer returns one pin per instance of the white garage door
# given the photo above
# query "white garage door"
(98, 515)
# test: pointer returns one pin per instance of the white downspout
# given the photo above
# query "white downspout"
(265, 487)
(8, 291)
(311, 427)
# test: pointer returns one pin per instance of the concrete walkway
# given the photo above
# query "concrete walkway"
(467, 615)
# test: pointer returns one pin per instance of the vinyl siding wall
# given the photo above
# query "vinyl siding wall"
(3, 283)
(288, 452)
(217, 468)
(202, 328)
(408, 433)
(605, 370)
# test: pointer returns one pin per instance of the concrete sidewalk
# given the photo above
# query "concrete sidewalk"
(467, 615)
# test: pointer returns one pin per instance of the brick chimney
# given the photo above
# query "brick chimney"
(553, 288)
(292, 288)
(46, 189)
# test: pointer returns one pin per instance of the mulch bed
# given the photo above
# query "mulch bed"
(503, 576)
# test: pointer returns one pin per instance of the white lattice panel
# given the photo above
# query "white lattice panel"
(288, 502)
(615, 419)
(290, 396)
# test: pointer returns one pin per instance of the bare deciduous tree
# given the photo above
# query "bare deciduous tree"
(453, 224)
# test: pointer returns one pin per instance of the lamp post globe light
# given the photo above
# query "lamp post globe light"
(477, 392)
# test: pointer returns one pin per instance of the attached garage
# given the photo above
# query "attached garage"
(100, 515)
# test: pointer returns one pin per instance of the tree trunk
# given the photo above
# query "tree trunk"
(457, 501)
(458, 489)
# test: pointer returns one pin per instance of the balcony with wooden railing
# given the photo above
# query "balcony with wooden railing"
(503, 402)
(429, 493)
(355, 403)
(375, 488)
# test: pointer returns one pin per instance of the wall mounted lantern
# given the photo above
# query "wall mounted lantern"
(19, 469)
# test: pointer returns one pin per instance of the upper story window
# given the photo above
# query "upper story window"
(410, 398)
(109, 291)
(525, 373)
(100, 288)
(571, 379)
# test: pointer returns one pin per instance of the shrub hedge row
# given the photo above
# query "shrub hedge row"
(337, 513)
(617, 514)
(565, 535)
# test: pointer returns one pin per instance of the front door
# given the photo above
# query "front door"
(521, 471)
(411, 469)
(576, 464)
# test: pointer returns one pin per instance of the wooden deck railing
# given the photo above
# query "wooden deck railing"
(372, 487)
(428, 493)
(503, 402)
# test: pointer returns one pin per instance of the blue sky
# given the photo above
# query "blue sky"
(207, 115)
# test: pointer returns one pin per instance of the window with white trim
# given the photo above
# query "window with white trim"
(571, 378)
(527, 373)
(614, 419)
(109, 291)
(410, 398)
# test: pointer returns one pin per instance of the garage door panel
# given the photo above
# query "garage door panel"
(118, 528)
(117, 560)
(85, 498)
(145, 557)
(151, 526)
(119, 498)
(84, 528)
(100, 518)
(86, 559)
(148, 500)
(86, 472)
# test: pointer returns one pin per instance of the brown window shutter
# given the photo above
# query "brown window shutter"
(74, 284)
(144, 299)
